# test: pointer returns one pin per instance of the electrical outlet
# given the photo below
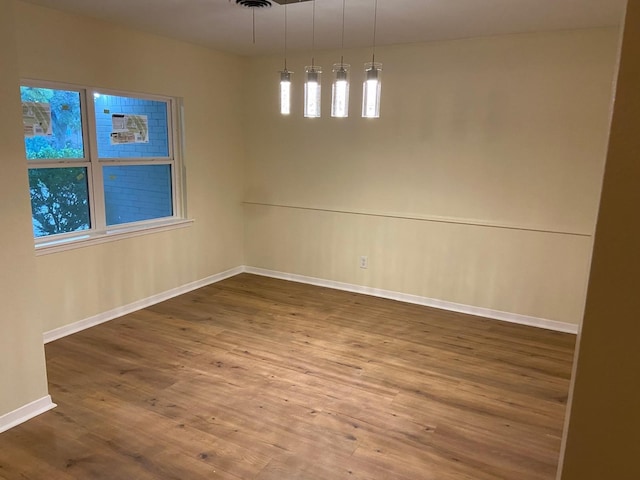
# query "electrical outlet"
(364, 261)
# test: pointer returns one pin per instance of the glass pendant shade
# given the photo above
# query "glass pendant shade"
(340, 91)
(371, 90)
(285, 92)
(312, 91)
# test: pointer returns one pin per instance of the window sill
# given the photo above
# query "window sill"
(111, 235)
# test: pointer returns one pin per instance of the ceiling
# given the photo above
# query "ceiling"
(223, 25)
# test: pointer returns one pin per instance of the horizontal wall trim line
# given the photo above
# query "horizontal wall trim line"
(25, 412)
(80, 325)
(427, 218)
(425, 301)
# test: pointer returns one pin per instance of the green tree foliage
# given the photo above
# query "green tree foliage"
(59, 200)
(59, 196)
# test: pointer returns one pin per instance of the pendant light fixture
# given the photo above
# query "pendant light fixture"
(313, 73)
(340, 89)
(372, 85)
(285, 76)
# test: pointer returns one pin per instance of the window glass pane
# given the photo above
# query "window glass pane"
(59, 200)
(52, 123)
(137, 192)
(130, 127)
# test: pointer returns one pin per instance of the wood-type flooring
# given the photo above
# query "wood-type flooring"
(263, 379)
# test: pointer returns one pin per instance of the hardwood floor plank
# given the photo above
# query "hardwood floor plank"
(261, 379)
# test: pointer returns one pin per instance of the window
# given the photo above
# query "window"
(99, 162)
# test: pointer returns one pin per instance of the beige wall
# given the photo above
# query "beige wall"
(478, 185)
(77, 284)
(603, 440)
(22, 368)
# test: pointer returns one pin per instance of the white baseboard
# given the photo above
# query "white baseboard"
(376, 292)
(26, 412)
(429, 302)
(80, 325)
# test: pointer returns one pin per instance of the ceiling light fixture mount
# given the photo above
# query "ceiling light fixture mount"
(287, 2)
(254, 3)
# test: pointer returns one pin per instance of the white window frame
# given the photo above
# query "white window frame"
(99, 231)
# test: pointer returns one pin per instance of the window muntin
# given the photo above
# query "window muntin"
(80, 189)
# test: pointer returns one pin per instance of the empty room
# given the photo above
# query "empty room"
(319, 239)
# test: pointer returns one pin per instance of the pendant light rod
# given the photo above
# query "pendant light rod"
(342, 41)
(375, 28)
(285, 37)
(313, 33)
